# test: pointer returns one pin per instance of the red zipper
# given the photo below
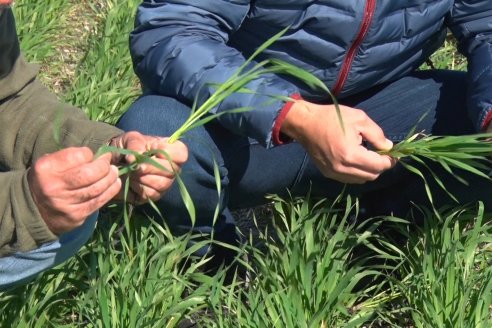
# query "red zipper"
(347, 63)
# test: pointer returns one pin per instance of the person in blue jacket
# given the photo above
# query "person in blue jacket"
(367, 52)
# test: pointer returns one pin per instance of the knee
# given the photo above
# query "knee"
(154, 115)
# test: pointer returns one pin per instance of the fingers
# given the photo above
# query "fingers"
(144, 189)
(150, 182)
(65, 194)
(99, 191)
(177, 151)
(88, 201)
(161, 167)
(339, 154)
(359, 165)
(368, 160)
(371, 161)
(68, 185)
(149, 187)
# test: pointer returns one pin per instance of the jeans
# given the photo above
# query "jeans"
(430, 101)
(21, 267)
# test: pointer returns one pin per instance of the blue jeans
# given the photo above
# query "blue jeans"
(248, 171)
(22, 267)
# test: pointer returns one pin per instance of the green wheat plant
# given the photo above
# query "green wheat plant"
(455, 154)
(105, 84)
(148, 278)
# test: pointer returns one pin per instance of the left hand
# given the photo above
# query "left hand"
(149, 182)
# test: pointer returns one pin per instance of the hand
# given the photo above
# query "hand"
(149, 182)
(69, 185)
(339, 155)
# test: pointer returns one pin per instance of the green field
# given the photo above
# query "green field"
(320, 270)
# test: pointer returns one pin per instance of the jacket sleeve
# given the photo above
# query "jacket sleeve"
(179, 47)
(471, 23)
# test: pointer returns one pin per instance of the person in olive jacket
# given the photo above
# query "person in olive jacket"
(368, 53)
(50, 198)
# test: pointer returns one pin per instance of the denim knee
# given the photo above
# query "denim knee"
(154, 115)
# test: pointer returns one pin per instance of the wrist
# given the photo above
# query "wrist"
(278, 136)
(295, 120)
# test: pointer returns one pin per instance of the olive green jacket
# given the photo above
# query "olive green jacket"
(29, 117)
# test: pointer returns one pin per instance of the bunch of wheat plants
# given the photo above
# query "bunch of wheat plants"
(306, 274)
(445, 274)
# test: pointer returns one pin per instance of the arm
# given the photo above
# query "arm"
(470, 21)
(46, 191)
(179, 47)
(27, 124)
(57, 192)
(28, 119)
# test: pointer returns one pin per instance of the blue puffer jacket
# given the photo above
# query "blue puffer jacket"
(179, 46)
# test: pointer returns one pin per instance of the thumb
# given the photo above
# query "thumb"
(385, 144)
(372, 133)
(133, 141)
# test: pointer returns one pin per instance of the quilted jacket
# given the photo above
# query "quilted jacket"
(180, 46)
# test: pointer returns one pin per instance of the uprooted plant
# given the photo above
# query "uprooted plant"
(455, 154)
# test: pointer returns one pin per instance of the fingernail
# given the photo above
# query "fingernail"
(114, 169)
(389, 143)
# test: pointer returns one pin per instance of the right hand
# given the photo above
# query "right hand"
(339, 155)
(69, 185)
